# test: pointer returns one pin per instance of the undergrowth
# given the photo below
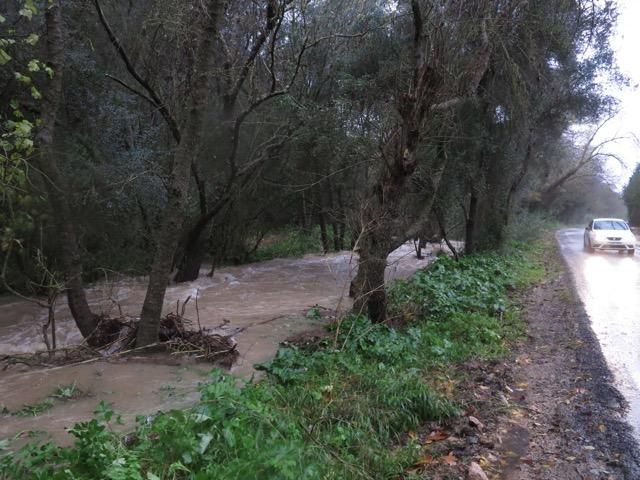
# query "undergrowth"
(336, 411)
(290, 243)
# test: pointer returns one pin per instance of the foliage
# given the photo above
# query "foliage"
(35, 409)
(20, 209)
(329, 412)
(474, 284)
(529, 227)
(292, 242)
(66, 392)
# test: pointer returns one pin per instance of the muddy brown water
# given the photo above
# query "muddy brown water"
(263, 303)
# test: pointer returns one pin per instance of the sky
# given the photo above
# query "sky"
(626, 123)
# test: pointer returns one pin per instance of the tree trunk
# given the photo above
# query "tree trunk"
(368, 286)
(306, 217)
(179, 177)
(374, 268)
(470, 225)
(192, 259)
(341, 232)
(322, 222)
(341, 220)
(336, 236)
(55, 185)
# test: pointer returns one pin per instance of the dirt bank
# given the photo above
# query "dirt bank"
(549, 411)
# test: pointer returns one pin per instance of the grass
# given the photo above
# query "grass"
(340, 410)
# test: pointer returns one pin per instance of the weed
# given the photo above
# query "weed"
(66, 392)
(314, 313)
(35, 409)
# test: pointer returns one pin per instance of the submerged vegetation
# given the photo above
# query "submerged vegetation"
(339, 409)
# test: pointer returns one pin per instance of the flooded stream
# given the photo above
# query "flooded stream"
(265, 303)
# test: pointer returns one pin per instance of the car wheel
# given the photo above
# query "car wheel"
(587, 246)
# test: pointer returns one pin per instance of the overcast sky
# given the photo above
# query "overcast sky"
(626, 43)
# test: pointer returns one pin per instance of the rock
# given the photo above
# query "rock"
(487, 443)
(476, 423)
(491, 458)
(503, 399)
(476, 473)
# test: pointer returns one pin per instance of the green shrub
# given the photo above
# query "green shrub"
(528, 226)
(289, 243)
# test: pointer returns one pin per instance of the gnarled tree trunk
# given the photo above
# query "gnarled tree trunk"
(55, 184)
(179, 177)
(383, 225)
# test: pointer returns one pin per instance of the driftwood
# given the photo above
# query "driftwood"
(117, 337)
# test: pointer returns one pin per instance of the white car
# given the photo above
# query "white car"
(609, 234)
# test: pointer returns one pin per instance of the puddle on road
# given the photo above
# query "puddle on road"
(265, 301)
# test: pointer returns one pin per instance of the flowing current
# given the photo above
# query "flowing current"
(262, 303)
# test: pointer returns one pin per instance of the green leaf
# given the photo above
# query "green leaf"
(32, 39)
(2, 19)
(4, 57)
(25, 12)
(35, 93)
(229, 437)
(33, 66)
(205, 440)
(22, 78)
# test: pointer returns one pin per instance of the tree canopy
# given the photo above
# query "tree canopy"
(151, 137)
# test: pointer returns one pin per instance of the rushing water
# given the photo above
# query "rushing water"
(263, 303)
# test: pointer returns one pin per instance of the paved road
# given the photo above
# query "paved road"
(609, 286)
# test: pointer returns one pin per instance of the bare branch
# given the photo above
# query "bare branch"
(152, 94)
(131, 89)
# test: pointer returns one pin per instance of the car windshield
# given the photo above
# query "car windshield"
(610, 225)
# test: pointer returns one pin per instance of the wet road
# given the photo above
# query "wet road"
(609, 286)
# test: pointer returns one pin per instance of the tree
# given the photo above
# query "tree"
(178, 181)
(428, 93)
(47, 167)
